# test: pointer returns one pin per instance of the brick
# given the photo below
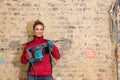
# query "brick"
(79, 23)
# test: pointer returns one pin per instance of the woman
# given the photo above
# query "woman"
(38, 53)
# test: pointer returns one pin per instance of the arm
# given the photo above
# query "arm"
(55, 52)
(24, 60)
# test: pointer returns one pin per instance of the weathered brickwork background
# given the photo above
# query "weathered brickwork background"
(87, 52)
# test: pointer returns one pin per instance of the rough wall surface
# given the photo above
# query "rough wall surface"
(87, 52)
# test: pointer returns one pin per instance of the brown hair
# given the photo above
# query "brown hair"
(37, 22)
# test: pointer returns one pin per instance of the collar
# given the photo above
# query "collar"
(38, 39)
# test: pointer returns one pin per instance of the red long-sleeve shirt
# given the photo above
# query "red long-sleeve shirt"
(43, 67)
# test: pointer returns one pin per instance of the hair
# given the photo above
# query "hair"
(37, 22)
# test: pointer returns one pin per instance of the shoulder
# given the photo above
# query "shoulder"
(49, 41)
(28, 43)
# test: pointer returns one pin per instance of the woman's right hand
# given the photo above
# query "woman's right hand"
(27, 56)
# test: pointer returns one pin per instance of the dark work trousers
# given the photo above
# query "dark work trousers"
(30, 77)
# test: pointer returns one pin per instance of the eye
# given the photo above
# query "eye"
(41, 29)
(36, 29)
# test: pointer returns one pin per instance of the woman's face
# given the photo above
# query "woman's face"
(39, 29)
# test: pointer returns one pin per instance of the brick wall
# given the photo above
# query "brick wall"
(87, 52)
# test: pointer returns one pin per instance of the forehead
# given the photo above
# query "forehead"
(39, 26)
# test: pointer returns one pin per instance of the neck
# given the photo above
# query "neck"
(38, 36)
(38, 39)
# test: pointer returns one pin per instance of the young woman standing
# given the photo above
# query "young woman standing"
(39, 69)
